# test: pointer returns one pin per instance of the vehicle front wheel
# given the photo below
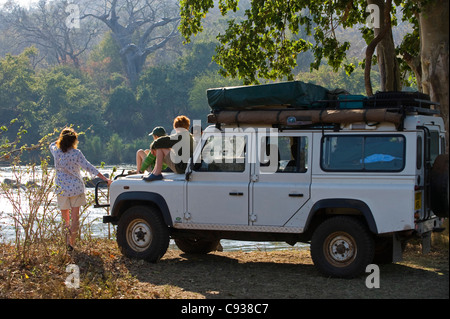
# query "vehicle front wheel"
(342, 246)
(142, 234)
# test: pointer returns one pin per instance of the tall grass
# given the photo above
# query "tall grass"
(440, 240)
(34, 218)
(33, 214)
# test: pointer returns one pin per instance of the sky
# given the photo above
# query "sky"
(23, 3)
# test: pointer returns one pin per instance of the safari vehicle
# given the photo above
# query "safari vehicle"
(353, 177)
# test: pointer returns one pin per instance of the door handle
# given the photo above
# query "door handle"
(236, 194)
(295, 195)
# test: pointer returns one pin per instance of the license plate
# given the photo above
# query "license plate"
(418, 201)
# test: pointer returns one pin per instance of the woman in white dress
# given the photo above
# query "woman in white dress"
(69, 183)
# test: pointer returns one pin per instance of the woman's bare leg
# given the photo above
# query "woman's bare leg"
(74, 225)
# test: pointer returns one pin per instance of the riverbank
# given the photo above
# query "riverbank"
(283, 274)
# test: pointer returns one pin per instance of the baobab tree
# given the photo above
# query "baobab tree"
(140, 27)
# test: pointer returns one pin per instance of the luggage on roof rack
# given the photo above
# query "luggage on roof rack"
(294, 94)
(296, 103)
(399, 99)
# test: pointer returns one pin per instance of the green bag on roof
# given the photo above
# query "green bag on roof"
(295, 94)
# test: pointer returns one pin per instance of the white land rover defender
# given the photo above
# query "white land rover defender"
(355, 178)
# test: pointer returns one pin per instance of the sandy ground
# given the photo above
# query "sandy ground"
(286, 274)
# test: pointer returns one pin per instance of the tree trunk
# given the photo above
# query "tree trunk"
(388, 65)
(128, 51)
(433, 20)
(386, 56)
(133, 61)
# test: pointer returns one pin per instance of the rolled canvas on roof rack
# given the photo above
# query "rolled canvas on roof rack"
(285, 94)
(280, 117)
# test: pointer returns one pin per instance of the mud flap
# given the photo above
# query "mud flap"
(426, 243)
(397, 249)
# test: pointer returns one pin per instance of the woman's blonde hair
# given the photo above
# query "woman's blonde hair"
(67, 139)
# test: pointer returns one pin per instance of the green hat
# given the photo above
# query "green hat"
(158, 131)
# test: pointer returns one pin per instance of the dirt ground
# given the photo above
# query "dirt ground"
(285, 274)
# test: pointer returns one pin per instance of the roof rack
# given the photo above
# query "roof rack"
(300, 104)
(290, 116)
(408, 106)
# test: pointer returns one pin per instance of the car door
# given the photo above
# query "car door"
(279, 191)
(218, 187)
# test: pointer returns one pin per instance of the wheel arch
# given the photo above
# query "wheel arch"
(339, 206)
(128, 199)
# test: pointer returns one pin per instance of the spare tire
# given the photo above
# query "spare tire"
(439, 186)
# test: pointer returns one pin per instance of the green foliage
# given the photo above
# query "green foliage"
(325, 76)
(115, 148)
(197, 96)
(164, 90)
(410, 45)
(105, 66)
(66, 97)
(108, 51)
(123, 114)
(17, 85)
(272, 37)
(42, 101)
(93, 148)
(264, 44)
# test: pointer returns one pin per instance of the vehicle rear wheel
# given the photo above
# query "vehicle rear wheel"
(198, 246)
(439, 186)
(342, 246)
(142, 234)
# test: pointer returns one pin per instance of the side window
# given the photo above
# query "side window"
(363, 153)
(342, 153)
(442, 145)
(291, 156)
(434, 145)
(419, 152)
(223, 153)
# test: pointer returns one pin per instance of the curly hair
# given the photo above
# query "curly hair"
(67, 139)
(182, 121)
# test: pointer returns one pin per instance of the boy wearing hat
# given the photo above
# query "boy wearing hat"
(144, 158)
(163, 149)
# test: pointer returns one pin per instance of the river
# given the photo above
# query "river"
(93, 217)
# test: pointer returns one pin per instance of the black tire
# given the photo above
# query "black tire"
(197, 246)
(142, 234)
(439, 186)
(342, 247)
(384, 248)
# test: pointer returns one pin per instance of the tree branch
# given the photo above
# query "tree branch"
(151, 28)
(373, 44)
